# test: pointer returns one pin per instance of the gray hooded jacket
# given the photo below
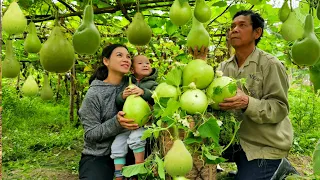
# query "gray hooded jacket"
(98, 116)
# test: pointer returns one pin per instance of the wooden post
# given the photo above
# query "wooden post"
(0, 90)
(72, 87)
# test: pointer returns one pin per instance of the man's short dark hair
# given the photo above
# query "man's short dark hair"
(257, 20)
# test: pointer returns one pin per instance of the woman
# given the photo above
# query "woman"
(99, 115)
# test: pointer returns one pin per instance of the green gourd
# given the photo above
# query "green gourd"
(30, 87)
(284, 11)
(139, 32)
(10, 66)
(46, 92)
(57, 54)
(136, 108)
(178, 161)
(198, 35)
(199, 72)
(314, 72)
(306, 51)
(180, 12)
(32, 43)
(202, 11)
(14, 22)
(292, 28)
(86, 39)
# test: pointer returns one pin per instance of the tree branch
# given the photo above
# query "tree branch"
(96, 11)
(123, 10)
(221, 13)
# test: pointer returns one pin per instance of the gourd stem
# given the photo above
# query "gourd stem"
(138, 4)
(9, 49)
(175, 132)
(130, 82)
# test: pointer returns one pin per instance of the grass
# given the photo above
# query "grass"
(40, 142)
(37, 135)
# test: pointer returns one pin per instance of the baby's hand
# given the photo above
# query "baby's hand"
(137, 91)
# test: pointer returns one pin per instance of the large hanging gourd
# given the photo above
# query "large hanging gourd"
(178, 161)
(198, 35)
(306, 51)
(292, 28)
(139, 32)
(180, 12)
(46, 92)
(202, 11)
(32, 43)
(57, 54)
(86, 39)
(14, 22)
(284, 11)
(30, 87)
(314, 72)
(10, 66)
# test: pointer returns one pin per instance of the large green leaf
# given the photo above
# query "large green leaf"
(171, 28)
(210, 129)
(132, 170)
(160, 168)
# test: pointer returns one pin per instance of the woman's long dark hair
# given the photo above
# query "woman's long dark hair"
(102, 72)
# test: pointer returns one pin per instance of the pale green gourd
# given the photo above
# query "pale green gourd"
(46, 92)
(180, 12)
(57, 54)
(14, 22)
(139, 32)
(178, 161)
(292, 28)
(32, 43)
(284, 11)
(306, 51)
(86, 39)
(30, 87)
(10, 66)
(202, 11)
(136, 108)
(198, 35)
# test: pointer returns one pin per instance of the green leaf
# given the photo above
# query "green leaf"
(160, 167)
(147, 133)
(211, 159)
(132, 170)
(316, 159)
(232, 87)
(191, 140)
(171, 28)
(174, 77)
(210, 129)
(171, 108)
(220, 4)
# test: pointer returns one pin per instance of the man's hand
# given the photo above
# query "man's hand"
(126, 123)
(202, 54)
(239, 101)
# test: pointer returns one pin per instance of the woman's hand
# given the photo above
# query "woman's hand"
(202, 54)
(126, 93)
(126, 123)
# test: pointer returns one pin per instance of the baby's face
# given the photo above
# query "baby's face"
(141, 66)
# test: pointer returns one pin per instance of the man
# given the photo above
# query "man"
(266, 133)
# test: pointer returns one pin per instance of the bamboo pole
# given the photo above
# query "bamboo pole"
(0, 90)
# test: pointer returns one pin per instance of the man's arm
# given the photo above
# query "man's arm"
(273, 106)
